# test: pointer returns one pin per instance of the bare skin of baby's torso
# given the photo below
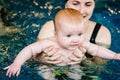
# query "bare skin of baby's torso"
(65, 54)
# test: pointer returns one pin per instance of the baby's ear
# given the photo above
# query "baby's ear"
(55, 33)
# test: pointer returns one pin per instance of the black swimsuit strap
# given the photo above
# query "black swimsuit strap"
(94, 34)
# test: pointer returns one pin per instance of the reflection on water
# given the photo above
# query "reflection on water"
(27, 17)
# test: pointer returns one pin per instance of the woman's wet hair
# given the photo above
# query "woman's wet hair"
(67, 0)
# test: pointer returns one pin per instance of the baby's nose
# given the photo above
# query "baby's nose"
(75, 40)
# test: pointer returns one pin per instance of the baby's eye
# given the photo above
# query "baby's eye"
(79, 34)
(69, 35)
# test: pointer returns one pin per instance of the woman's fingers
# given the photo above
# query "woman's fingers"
(72, 63)
(53, 52)
(50, 51)
(80, 53)
(75, 58)
(54, 62)
(83, 50)
(54, 59)
(51, 55)
(77, 55)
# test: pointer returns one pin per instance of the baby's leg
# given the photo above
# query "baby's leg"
(75, 72)
(46, 72)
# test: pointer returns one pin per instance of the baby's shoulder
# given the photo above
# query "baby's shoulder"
(48, 42)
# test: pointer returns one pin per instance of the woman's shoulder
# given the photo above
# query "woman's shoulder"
(46, 30)
(103, 37)
(102, 26)
(48, 23)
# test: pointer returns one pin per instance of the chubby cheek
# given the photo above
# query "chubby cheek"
(82, 39)
(65, 41)
(62, 42)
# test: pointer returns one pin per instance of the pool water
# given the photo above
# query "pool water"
(26, 18)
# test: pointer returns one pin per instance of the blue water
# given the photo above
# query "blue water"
(30, 17)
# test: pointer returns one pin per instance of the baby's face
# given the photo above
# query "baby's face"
(70, 35)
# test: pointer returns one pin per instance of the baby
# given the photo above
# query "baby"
(70, 31)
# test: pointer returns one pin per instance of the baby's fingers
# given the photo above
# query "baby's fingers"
(116, 56)
(9, 73)
(52, 52)
(54, 58)
(6, 68)
(12, 73)
(18, 72)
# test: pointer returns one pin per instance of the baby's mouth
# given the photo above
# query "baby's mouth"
(74, 45)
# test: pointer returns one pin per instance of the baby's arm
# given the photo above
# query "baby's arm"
(24, 55)
(100, 51)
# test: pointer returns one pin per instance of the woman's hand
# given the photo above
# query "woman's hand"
(77, 56)
(50, 55)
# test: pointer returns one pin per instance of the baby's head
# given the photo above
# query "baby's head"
(67, 19)
(69, 28)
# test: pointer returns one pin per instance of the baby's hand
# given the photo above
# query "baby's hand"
(117, 56)
(12, 70)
